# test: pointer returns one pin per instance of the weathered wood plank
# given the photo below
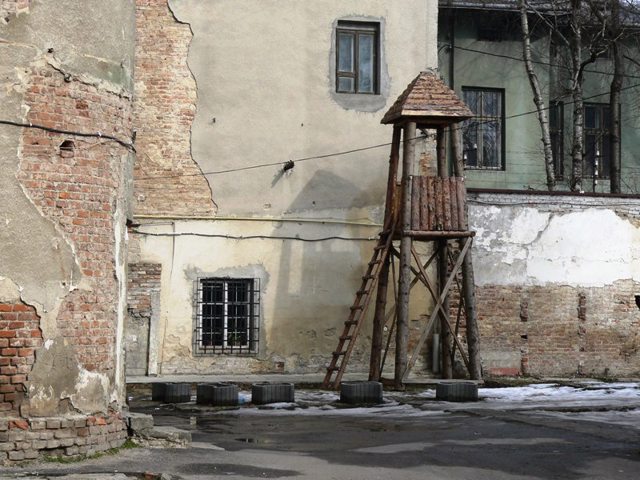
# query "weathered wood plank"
(415, 203)
(453, 195)
(439, 223)
(446, 205)
(462, 205)
(431, 192)
(424, 204)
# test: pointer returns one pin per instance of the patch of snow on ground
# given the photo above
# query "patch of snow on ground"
(546, 396)
(554, 392)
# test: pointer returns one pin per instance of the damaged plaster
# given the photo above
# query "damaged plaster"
(523, 245)
(260, 114)
(35, 255)
(39, 260)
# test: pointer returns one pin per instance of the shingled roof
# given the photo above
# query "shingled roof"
(427, 100)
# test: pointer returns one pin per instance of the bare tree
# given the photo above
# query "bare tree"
(538, 99)
(571, 26)
(615, 30)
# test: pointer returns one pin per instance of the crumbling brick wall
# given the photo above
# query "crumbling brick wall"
(143, 302)
(67, 154)
(27, 439)
(585, 323)
(20, 335)
(168, 181)
(75, 182)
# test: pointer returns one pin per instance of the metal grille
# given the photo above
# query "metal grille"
(227, 316)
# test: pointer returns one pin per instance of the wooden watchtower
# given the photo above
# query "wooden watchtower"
(425, 209)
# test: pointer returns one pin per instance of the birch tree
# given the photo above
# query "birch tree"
(538, 99)
(569, 24)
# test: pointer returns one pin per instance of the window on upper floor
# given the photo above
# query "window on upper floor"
(597, 121)
(556, 132)
(483, 135)
(227, 316)
(357, 57)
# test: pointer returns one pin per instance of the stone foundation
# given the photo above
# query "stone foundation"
(69, 436)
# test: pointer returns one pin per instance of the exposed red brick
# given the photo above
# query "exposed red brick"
(568, 331)
(19, 423)
(164, 109)
(78, 190)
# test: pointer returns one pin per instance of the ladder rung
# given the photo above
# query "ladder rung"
(332, 369)
(356, 307)
(379, 247)
(350, 322)
(374, 262)
(368, 277)
(337, 354)
(363, 292)
(346, 337)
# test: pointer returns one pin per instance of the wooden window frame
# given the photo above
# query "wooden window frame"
(356, 29)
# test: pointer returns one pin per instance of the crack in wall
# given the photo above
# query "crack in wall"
(195, 81)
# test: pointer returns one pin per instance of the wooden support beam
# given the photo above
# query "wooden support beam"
(375, 362)
(456, 150)
(402, 330)
(437, 234)
(473, 334)
(445, 337)
(441, 152)
(392, 311)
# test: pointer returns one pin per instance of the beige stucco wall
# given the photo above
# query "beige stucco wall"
(263, 72)
(265, 94)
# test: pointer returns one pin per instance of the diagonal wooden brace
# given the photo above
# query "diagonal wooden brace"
(429, 325)
(445, 314)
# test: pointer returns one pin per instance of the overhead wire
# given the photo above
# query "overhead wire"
(355, 150)
(539, 62)
(128, 145)
(255, 237)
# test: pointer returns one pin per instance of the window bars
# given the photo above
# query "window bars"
(227, 316)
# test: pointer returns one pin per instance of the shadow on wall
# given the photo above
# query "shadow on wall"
(317, 280)
(326, 190)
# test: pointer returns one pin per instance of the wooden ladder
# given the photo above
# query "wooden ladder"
(353, 324)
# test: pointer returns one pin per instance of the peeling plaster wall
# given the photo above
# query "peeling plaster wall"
(263, 73)
(556, 281)
(67, 65)
(266, 94)
(168, 180)
(304, 299)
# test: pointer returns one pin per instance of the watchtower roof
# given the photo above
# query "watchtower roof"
(428, 102)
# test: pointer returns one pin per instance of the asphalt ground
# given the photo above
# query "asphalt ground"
(411, 436)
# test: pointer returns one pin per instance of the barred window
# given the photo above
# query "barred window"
(597, 124)
(556, 132)
(227, 316)
(483, 134)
